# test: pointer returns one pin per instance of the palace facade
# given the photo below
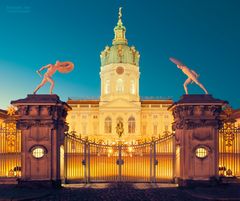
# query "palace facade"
(120, 102)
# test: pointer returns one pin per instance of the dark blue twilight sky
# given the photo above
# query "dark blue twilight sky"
(204, 34)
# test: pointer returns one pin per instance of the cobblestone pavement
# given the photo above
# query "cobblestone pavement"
(120, 192)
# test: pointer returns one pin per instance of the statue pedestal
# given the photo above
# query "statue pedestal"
(42, 122)
(196, 123)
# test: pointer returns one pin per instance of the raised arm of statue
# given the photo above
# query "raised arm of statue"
(44, 67)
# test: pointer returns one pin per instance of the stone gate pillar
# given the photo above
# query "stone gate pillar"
(42, 122)
(196, 123)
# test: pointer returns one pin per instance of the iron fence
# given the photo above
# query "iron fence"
(229, 150)
(10, 150)
(87, 161)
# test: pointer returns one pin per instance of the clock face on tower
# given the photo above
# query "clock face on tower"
(120, 70)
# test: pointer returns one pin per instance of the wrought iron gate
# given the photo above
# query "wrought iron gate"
(229, 150)
(10, 149)
(87, 161)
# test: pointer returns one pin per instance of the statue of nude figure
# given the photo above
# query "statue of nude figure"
(47, 77)
(192, 77)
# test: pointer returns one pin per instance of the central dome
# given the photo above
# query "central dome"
(119, 52)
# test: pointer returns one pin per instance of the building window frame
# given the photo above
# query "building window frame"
(119, 86)
(108, 125)
(107, 87)
(131, 124)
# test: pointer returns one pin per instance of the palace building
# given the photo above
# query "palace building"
(119, 136)
(120, 102)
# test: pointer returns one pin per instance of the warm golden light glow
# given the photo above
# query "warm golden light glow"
(38, 152)
(11, 110)
(120, 161)
(201, 152)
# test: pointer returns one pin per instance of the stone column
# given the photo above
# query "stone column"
(42, 122)
(196, 124)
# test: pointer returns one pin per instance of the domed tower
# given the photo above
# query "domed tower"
(119, 68)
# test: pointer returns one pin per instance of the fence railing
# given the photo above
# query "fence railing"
(87, 161)
(10, 150)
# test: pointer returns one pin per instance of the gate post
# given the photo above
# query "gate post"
(196, 123)
(42, 122)
(120, 162)
(155, 162)
(88, 161)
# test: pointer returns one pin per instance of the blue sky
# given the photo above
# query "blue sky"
(203, 34)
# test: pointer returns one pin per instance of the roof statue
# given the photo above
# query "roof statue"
(120, 14)
(191, 74)
(62, 67)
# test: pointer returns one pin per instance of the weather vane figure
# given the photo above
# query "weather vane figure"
(120, 13)
(191, 74)
(62, 67)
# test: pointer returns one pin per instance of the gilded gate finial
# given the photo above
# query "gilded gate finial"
(11, 110)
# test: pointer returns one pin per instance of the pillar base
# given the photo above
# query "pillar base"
(40, 183)
(197, 183)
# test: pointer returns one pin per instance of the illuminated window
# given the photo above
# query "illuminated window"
(108, 125)
(201, 152)
(144, 128)
(84, 128)
(119, 86)
(131, 125)
(132, 87)
(107, 87)
(155, 128)
(38, 152)
(95, 128)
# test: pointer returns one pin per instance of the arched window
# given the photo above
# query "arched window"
(155, 129)
(119, 86)
(131, 125)
(108, 125)
(132, 87)
(107, 87)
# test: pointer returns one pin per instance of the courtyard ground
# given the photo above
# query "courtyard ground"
(122, 192)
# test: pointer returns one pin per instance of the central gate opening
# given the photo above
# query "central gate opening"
(87, 161)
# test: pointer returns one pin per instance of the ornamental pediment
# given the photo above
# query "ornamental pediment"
(121, 104)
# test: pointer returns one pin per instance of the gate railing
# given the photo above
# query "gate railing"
(229, 144)
(87, 161)
(229, 150)
(10, 149)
